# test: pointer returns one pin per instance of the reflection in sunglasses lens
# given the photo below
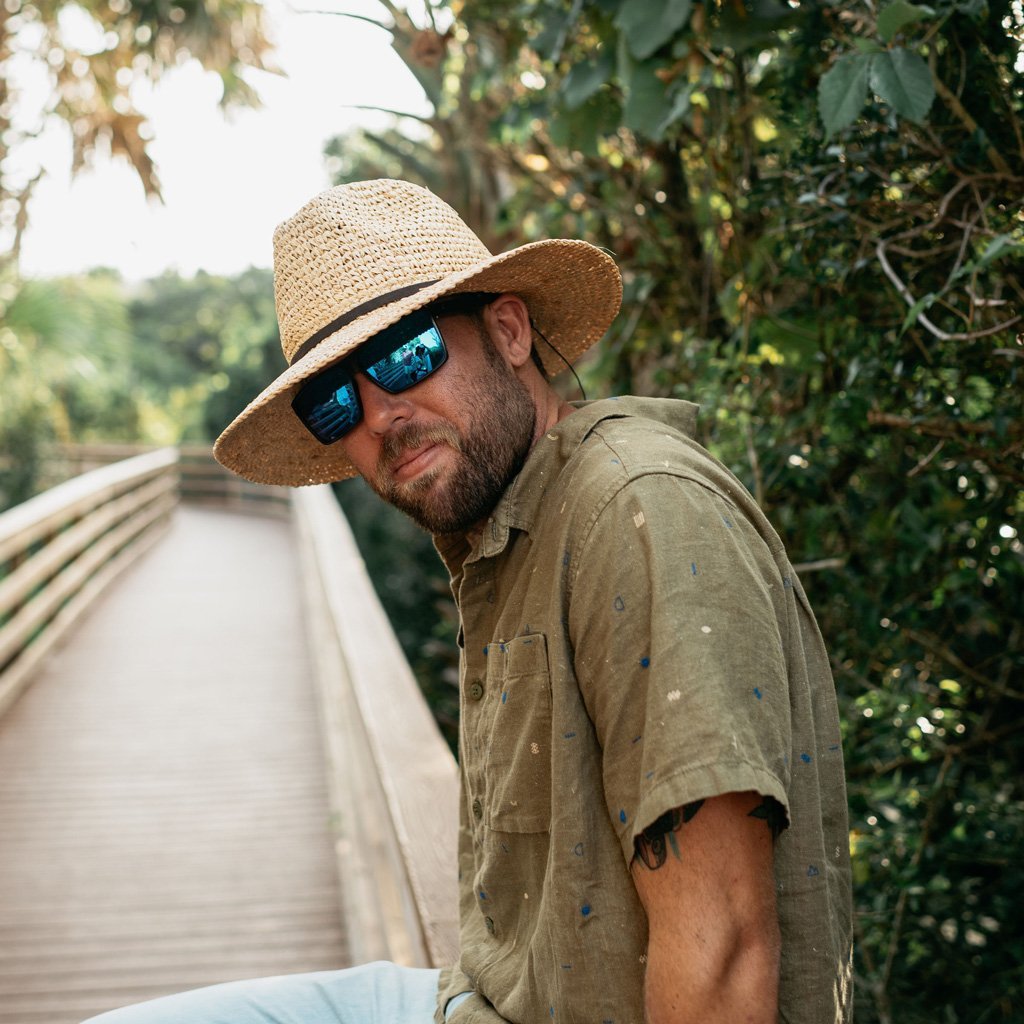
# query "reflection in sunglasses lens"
(335, 416)
(410, 362)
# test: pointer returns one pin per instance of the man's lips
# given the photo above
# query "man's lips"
(413, 461)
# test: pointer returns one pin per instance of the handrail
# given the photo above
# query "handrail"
(59, 550)
(394, 781)
(202, 479)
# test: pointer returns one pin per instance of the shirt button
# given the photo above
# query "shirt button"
(476, 689)
(489, 924)
(478, 810)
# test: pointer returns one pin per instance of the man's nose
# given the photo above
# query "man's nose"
(382, 411)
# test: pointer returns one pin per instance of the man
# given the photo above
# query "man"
(653, 807)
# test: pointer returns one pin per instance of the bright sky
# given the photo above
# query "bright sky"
(226, 182)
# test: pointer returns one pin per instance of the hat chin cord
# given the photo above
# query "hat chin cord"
(540, 364)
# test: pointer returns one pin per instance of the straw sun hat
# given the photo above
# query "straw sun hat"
(356, 259)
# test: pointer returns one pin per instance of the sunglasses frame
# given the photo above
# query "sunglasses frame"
(317, 392)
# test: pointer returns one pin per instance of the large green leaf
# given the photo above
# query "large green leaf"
(646, 107)
(843, 90)
(553, 26)
(903, 80)
(674, 112)
(648, 24)
(898, 15)
(585, 79)
(583, 128)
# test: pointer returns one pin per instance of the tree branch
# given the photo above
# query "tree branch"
(909, 299)
(950, 430)
(344, 14)
(819, 565)
(935, 646)
(10, 258)
(921, 463)
(985, 738)
(428, 121)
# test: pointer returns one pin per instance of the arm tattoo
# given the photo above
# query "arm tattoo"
(652, 845)
(773, 815)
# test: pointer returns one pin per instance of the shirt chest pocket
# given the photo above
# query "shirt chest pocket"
(518, 773)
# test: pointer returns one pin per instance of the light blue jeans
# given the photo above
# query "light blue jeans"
(377, 993)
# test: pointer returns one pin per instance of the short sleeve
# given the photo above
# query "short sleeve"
(677, 623)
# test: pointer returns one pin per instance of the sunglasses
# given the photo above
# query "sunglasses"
(396, 359)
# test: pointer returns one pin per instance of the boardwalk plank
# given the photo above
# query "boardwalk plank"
(163, 806)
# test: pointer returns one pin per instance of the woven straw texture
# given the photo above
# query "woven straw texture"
(351, 245)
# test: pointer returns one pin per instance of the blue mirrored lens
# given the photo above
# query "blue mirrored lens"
(332, 416)
(410, 362)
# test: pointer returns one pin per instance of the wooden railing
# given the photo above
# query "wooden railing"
(61, 548)
(203, 480)
(394, 781)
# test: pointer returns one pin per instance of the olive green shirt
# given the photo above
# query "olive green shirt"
(633, 639)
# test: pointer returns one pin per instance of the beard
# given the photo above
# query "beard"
(488, 454)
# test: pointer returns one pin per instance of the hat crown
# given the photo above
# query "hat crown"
(352, 244)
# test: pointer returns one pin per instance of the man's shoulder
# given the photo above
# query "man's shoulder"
(616, 450)
(622, 450)
(646, 463)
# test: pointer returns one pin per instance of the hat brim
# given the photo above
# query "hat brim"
(573, 291)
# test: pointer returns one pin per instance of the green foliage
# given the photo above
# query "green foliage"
(84, 359)
(897, 76)
(69, 368)
(63, 362)
(24, 432)
(645, 26)
(898, 15)
(843, 90)
(202, 348)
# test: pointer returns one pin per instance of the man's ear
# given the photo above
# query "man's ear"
(508, 321)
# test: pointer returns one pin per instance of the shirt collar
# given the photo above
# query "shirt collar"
(519, 506)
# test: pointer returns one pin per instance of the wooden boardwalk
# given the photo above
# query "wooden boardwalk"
(164, 815)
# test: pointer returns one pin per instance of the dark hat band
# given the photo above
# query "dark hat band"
(353, 314)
